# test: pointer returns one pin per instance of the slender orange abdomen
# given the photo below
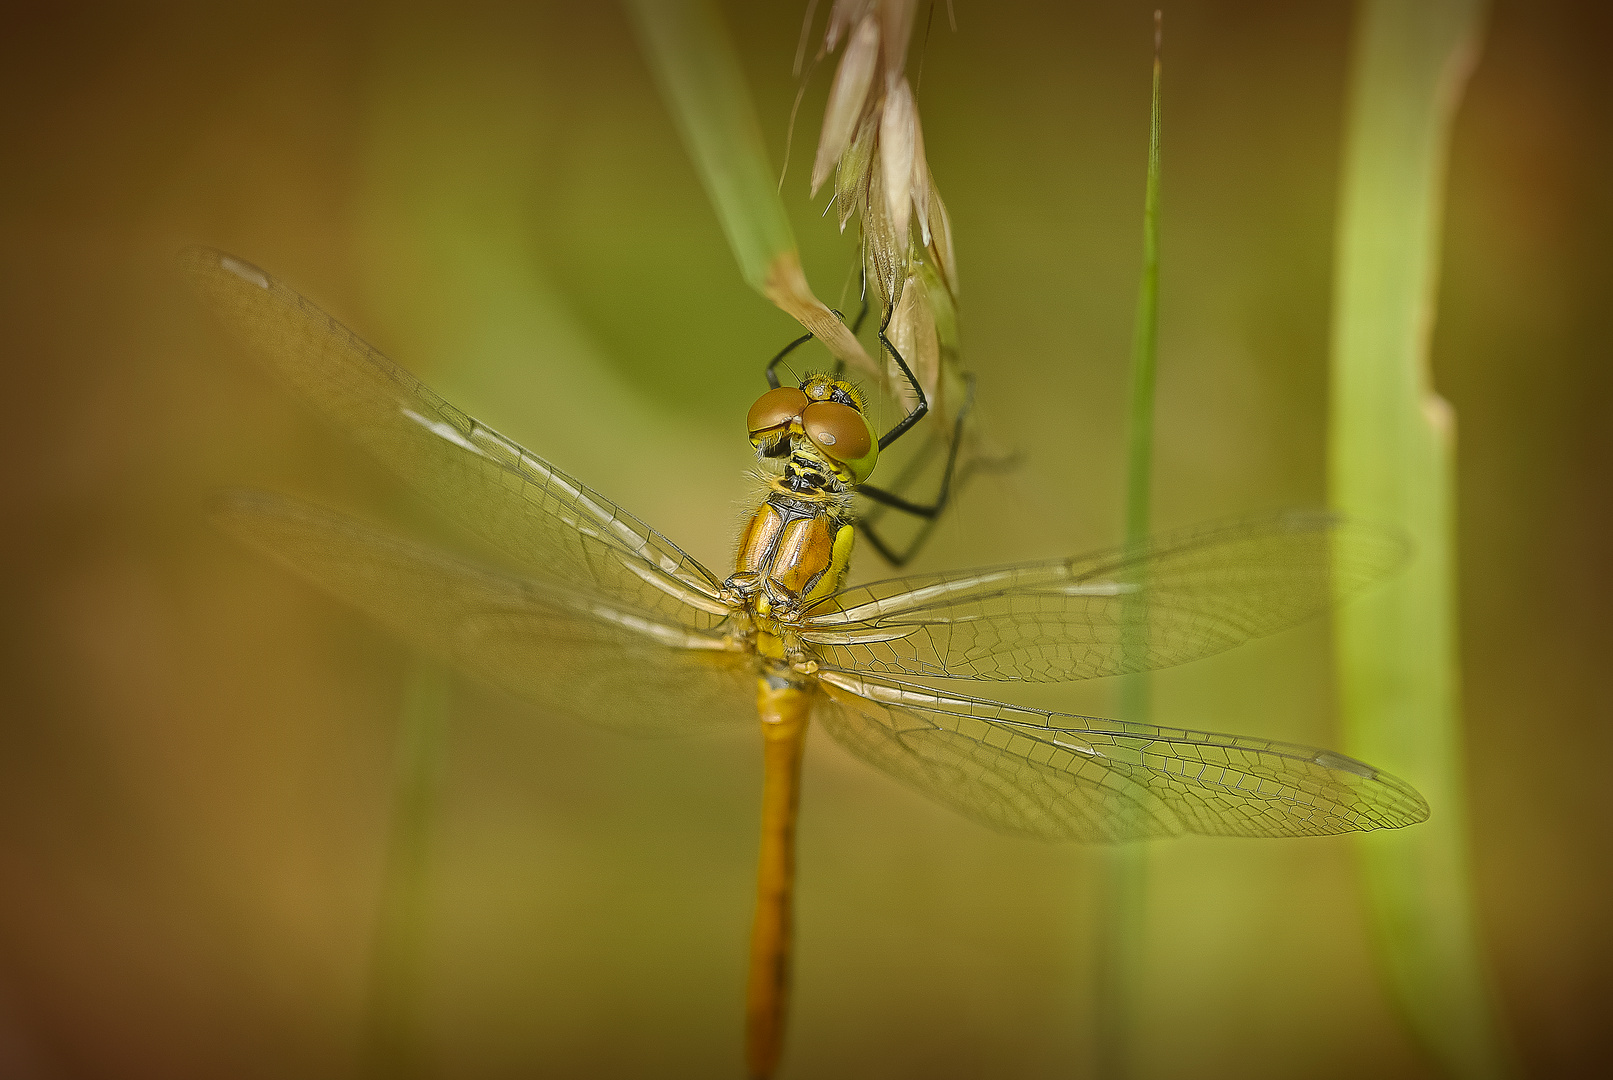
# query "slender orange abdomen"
(784, 707)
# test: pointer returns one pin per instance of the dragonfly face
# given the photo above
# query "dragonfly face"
(609, 621)
(820, 427)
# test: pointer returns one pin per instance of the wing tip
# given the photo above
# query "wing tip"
(1411, 808)
(1393, 803)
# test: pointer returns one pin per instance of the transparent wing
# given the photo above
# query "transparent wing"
(1062, 777)
(549, 523)
(1187, 595)
(573, 654)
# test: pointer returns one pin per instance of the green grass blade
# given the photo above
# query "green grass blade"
(694, 62)
(1121, 900)
(1391, 459)
(696, 68)
(1145, 345)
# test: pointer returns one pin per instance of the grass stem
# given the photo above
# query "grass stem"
(1391, 459)
(1123, 894)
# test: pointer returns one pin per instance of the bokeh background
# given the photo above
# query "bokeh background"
(197, 751)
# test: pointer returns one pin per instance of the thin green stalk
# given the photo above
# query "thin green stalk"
(393, 1037)
(1123, 896)
(694, 62)
(1391, 458)
(1145, 341)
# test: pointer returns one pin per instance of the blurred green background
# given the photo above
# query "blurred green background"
(197, 750)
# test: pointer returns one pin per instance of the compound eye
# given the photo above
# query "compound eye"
(842, 433)
(775, 409)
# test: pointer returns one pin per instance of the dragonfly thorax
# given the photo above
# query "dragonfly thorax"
(791, 552)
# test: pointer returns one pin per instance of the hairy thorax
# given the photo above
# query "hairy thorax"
(792, 551)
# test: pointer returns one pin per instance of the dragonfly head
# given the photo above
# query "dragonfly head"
(823, 416)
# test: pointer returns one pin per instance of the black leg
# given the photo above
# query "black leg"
(856, 327)
(919, 409)
(772, 376)
(928, 512)
(896, 559)
(862, 313)
(840, 365)
(884, 550)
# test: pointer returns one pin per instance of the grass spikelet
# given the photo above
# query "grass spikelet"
(873, 142)
(848, 97)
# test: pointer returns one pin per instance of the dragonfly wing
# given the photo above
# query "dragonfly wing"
(1188, 595)
(549, 523)
(619, 681)
(573, 654)
(1061, 777)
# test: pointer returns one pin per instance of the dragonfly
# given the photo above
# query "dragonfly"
(604, 619)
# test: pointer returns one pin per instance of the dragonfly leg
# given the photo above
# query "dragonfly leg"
(930, 511)
(896, 502)
(856, 326)
(772, 376)
(862, 312)
(922, 405)
(840, 365)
